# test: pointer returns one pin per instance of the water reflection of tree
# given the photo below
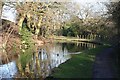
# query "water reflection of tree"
(77, 47)
(48, 57)
(41, 62)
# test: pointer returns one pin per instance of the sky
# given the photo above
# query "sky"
(97, 3)
(84, 1)
(97, 6)
(64, 0)
(61, 0)
(9, 13)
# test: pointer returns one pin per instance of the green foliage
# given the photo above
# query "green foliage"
(75, 29)
(27, 46)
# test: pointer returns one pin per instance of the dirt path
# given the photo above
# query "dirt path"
(103, 66)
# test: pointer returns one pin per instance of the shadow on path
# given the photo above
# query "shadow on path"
(103, 66)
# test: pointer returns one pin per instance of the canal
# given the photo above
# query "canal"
(41, 64)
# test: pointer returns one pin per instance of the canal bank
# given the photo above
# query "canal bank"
(79, 66)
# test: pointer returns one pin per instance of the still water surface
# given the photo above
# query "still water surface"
(41, 64)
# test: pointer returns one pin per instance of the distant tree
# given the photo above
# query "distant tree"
(114, 14)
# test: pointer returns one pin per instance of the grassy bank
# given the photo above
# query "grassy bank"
(79, 66)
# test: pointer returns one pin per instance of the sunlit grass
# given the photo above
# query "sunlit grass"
(79, 66)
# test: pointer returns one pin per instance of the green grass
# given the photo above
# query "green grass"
(79, 66)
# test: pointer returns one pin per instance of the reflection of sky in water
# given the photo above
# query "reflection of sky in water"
(57, 54)
(8, 70)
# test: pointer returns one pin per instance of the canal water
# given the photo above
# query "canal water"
(41, 64)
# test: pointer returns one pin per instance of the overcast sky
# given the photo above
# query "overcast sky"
(97, 6)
